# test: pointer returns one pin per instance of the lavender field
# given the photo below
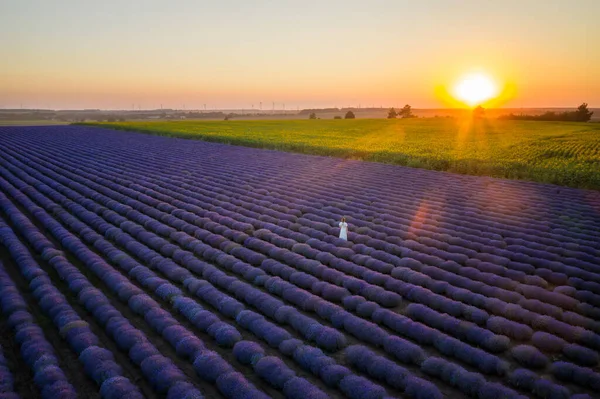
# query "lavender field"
(143, 266)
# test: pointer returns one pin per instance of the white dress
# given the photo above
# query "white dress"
(344, 231)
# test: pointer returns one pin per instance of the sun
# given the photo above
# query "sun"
(474, 89)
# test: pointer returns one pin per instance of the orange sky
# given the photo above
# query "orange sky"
(234, 54)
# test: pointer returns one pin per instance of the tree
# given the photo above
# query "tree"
(583, 114)
(406, 112)
(478, 112)
(392, 114)
(349, 115)
(312, 116)
(337, 117)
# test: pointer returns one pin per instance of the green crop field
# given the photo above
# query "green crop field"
(32, 122)
(565, 153)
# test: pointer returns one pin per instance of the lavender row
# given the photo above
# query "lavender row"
(534, 210)
(159, 370)
(367, 309)
(295, 382)
(107, 373)
(187, 345)
(324, 334)
(36, 351)
(208, 364)
(478, 359)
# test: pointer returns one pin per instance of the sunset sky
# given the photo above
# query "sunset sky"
(232, 54)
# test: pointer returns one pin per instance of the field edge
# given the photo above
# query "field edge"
(470, 167)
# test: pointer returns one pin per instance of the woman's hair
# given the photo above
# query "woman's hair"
(343, 218)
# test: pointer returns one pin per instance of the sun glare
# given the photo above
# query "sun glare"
(475, 89)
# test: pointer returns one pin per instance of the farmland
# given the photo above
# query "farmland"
(138, 266)
(564, 153)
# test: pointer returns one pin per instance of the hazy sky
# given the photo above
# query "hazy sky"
(232, 54)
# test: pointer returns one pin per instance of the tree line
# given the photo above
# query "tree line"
(581, 114)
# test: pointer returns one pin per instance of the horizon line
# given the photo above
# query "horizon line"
(282, 110)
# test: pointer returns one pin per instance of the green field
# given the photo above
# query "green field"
(33, 122)
(565, 153)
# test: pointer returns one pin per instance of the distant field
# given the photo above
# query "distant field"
(562, 153)
(35, 122)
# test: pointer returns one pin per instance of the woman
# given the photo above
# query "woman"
(344, 229)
